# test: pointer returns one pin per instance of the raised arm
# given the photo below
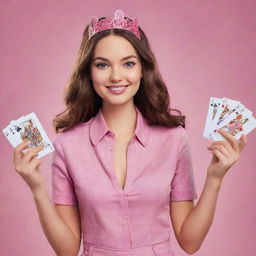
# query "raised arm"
(192, 223)
(61, 230)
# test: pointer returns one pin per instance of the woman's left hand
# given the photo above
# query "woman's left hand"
(225, 154)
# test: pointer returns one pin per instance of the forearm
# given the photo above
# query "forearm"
(55, 229)
(199, 220)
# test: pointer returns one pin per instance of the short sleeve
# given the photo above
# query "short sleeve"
(183, 184)
(63, 191)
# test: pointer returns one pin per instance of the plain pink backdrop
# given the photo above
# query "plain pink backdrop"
(204, 49)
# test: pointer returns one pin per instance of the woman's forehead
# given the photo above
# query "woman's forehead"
(114, 45)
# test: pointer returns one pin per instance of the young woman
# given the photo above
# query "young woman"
(122, 169)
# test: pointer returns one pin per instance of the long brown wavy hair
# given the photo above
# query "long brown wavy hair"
(82, 101)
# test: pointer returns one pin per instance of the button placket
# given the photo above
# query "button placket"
(125, 217)
(123, 192)
(112, 170)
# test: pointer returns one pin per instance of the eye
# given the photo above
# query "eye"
(133, 63)
(102, 65)
(99, 65)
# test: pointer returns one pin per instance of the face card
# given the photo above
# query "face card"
(28, 127)
(243, 123)
(212, 110)
(230, 115)
(225, 109)
(9, 135)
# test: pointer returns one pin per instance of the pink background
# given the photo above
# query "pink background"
(204, 48)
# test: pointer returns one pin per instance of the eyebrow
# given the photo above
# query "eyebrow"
(125, 58)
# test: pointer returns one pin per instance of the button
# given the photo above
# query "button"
(126, 217)
(111, 133)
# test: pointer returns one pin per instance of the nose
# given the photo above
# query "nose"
(115, 75)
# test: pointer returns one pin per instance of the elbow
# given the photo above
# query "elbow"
(190, 247)
(73, 253)
(68, 254)
(190, 250)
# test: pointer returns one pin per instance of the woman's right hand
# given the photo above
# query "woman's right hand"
(28, 166)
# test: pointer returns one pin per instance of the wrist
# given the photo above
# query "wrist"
(37, 192)
(213, 180)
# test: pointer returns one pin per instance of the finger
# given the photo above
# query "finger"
(34, 163)
(242, 142)
(218, 154)
(224, 143)
(233, 141)
(221, 148)
(31, 166)
(31, 154)
(18, 154)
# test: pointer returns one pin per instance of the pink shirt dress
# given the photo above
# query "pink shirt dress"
(134, 221)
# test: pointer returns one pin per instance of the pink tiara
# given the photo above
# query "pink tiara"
(117, 22)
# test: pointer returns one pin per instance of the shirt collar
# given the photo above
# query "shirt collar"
(98, 127)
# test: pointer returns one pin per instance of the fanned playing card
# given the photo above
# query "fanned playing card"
(243, 123)
(230, 115)
(212, 110)
(28, 127)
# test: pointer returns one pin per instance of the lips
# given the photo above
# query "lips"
(114, 86)
(117, 90)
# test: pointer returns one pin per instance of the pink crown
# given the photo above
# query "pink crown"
(117, 22)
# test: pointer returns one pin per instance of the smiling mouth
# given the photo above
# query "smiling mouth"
(117, 86)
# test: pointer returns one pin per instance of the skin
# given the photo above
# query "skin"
(190, 223)
(118, 110)
(226, 153)
(24, 163)
(61, 223)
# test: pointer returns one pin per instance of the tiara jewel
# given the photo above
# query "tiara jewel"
(118, 21)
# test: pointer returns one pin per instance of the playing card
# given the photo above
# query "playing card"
(242, 123)
(230, 115)
(225, 109)
(9, 132)
(28, 127)
(212, 110)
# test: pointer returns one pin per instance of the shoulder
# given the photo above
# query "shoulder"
(177, 132)
(167, 137)
(179, 135)
(73, 135)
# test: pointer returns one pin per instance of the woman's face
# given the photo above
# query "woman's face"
(111, 65)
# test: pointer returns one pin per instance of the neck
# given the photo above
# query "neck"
(121, 119)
